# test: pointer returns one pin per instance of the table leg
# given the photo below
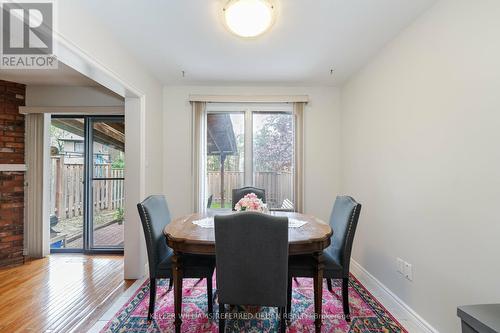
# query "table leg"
(318, 290)
(177, 275)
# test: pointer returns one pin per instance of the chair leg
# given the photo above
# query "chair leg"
(282, 319)
(170, 284)
(289, 299)
(210, 297)
(329, 285)
(222, 318)
(152, 298)
(345, 298)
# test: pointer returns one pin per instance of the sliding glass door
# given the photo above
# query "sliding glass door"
(106, 191)
(250, 145)
(87, 197)
(273, 156)
(67, 155)
(225, 157)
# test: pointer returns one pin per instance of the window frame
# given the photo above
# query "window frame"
(248, 109)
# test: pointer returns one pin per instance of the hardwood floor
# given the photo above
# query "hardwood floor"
(61, 293)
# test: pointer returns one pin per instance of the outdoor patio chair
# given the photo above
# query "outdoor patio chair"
(209, 201)
(286, 206)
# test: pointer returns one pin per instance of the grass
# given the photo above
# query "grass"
(217, 205)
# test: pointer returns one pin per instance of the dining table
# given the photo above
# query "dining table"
(191, 234)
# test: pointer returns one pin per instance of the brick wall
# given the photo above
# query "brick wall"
(12, 95)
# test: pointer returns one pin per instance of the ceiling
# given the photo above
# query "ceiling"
(62, 76)
(308, 39)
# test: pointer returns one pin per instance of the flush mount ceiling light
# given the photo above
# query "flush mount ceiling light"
(249, 18)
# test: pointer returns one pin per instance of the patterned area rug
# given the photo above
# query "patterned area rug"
(367, 314)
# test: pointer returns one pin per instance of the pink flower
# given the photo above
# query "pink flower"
(250, 202)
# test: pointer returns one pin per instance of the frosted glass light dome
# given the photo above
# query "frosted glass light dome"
(249, 18)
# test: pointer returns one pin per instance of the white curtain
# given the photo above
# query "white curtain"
(199, 156)
(37, 229)
(298, 112)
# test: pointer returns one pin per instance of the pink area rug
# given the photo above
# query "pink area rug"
(367, 314)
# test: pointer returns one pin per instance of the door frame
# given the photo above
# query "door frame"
(249, 109)
(88, 178)
(135, 257)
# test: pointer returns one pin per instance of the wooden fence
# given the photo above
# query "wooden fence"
(67, 188)
(278, 185)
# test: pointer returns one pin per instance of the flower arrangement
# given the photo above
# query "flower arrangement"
(250, 202)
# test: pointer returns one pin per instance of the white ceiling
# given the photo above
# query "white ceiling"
(308, 39)
(62, 76)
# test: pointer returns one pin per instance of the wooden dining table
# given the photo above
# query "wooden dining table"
(184, 236)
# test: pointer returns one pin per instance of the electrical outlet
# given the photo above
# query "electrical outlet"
(400, 265)
(408, 272)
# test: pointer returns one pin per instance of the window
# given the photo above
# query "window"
(273, 150)
(79, 148)
(249, 145)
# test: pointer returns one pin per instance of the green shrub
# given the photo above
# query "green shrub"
(118, 164)
(119, 214)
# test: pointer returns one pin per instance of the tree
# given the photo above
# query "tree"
(56, 134)
(273, 144)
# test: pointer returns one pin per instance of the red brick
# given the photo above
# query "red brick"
(5, 246)
(7, 116)
(11, 183)
(14, 134)
(12, 159)
(11, 205)
(7, 139)
(11, 238)
(14, 145)
(7, 222)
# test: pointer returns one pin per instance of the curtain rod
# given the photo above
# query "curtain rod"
(249, 98)
(80, 110)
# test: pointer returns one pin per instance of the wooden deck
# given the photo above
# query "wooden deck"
(61, 293)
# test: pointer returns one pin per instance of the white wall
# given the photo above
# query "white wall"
(85, 35)
(80, 27)
(71, 96)
(420, 135)
(321, 143)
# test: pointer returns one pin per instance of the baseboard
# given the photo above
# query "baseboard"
(376, 287)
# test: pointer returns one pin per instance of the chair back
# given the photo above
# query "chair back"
(155, 216)
(251, 259)
(239, 193)
(343, 220)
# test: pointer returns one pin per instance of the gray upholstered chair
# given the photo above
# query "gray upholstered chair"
(155, 216)
(252, 261)
(337, 256)
(239, 193)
